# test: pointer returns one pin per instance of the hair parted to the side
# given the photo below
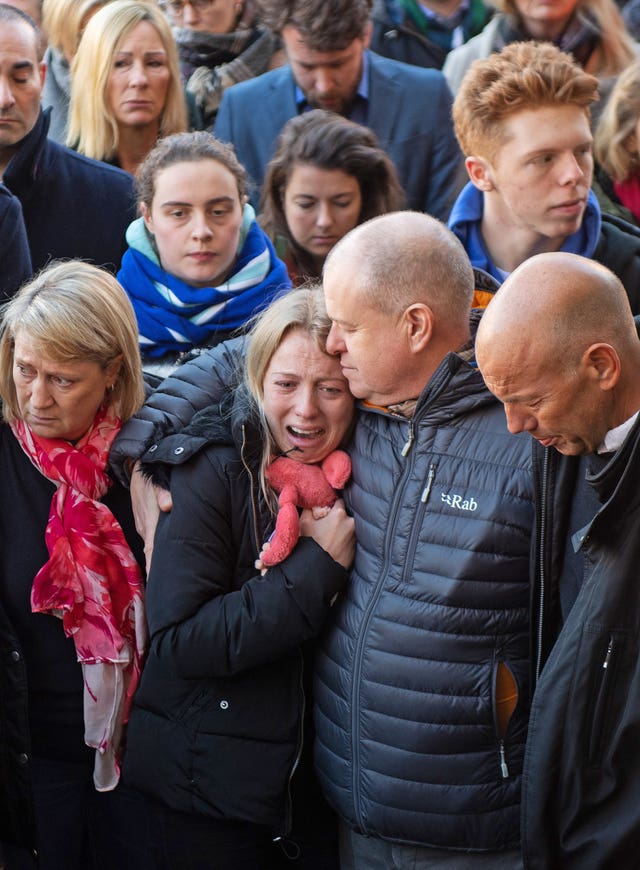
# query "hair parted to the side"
(325, 25)
(13, 15)
(186, 148)
(524, 75)
(73, 311)
(614, 49)
(616, 143)
(300, 309)
(93, 130)
(64, 20)
(328, 141)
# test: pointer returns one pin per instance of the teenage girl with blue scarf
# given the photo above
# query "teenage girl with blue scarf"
(198, 265)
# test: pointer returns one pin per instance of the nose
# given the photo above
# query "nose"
(323, 81)
(519, 420)
(189, 15)
(138, 78)
(40, 396)
(324, 216)
(6, 94)
(571, 171)
(335, 344)
(305, 405)
(200, 229)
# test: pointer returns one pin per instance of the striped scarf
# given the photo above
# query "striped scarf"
(176, 317)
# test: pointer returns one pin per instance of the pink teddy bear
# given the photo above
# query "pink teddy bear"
(304, 486)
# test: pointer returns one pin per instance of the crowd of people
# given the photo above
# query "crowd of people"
(284, 581)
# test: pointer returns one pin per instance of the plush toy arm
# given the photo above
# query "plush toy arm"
(337, 468)
(285, 536)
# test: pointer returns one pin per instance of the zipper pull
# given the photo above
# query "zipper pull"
(407, 446)
(503, 762)
(607, 658)
(427, 490)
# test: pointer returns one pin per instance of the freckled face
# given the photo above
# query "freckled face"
(542, 173)
(307, 402)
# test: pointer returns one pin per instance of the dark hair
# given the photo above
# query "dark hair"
(328, 141)
(186, 148)
(12, 13)
(325, 25)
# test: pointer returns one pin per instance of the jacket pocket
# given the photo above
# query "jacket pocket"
(505, 701)
(602, 694)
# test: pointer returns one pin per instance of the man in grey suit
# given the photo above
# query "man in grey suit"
(330, 67)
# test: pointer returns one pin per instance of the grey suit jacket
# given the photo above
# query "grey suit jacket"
(409, 109)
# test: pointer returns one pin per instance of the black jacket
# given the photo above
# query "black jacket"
(216, 727)
(15, 259)
(619, 250)
(73, 207)
(581, 784)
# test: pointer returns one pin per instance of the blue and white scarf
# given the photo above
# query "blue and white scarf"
(174, 316)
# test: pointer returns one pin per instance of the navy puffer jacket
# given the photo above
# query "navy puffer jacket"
(408, 746)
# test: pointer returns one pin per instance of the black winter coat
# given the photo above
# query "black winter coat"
(581, 783)
(216, 727)
(73, 207)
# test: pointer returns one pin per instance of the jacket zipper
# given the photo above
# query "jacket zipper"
(417, 524)
(368, 613)
(254, 509)
(541, 598)
(600, 707)
(296, 760)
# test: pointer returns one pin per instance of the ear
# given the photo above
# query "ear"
(146, 217)
(603, 365)
(43, 73)
(419, 323)
(366, 36)
(480, 173)
(113, 369)
(630, 144)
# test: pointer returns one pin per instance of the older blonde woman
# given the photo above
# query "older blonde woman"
(125, 85)
(71, 622)
(63, 22)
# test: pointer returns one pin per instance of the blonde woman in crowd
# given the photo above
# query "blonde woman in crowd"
(617, 149)
(125, 85)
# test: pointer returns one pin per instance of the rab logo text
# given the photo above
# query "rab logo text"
(457, 501)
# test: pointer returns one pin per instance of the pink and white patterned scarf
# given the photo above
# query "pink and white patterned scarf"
(92, 582)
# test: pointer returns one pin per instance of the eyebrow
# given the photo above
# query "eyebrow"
(159, 53)
(23, 64)
(216, 199)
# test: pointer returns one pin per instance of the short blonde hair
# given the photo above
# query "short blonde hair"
(617, 124)
(73, 311)
(92, 128)
(524, 75)
(62, 21)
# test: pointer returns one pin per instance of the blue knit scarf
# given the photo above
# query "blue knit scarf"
(174, 316)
